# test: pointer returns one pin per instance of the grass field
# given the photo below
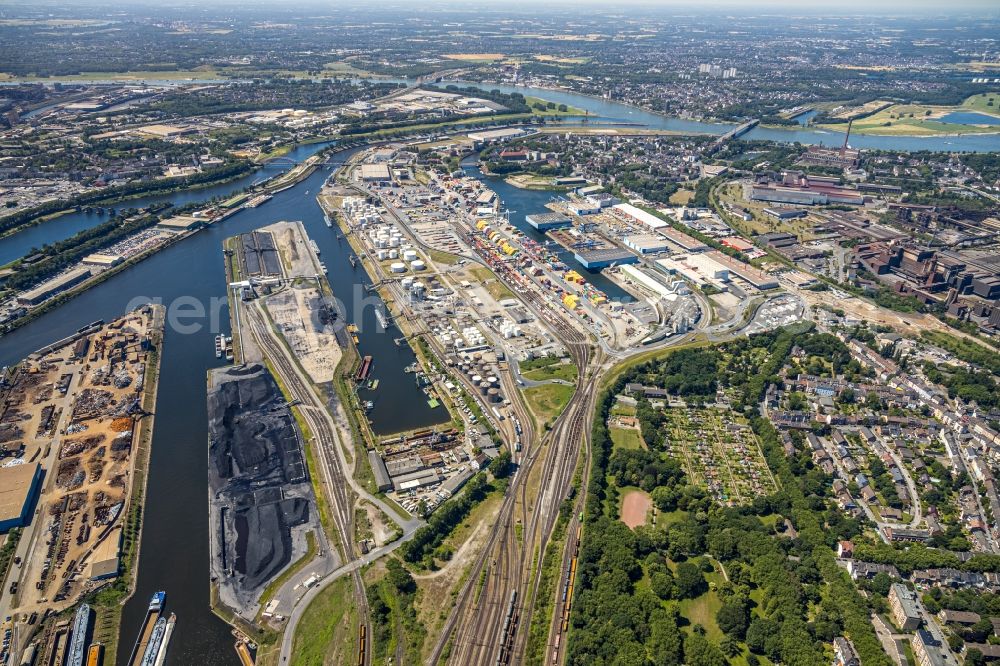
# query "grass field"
(570, 110)
(475, 57)
(554, 369)
(702, 610)
(732, 193)
(904, 119)
(491, 283)
(561, 61)
(548, 401)
(326, 632)
(626, 438)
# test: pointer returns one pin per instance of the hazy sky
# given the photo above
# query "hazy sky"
(988, 7)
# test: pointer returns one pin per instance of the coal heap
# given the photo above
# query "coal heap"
(257, 474)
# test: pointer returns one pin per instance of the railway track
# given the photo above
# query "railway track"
(493, 627)
(320, 423)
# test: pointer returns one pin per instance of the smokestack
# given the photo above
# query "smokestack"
(843, 149)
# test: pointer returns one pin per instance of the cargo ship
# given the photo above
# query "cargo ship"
(155, 641)
(366, 367)
(153, 613)
(258, 200)
(219, 345)
(328, 221)
(94, 654)
(313, 245)
(381, 318)
(79, 639)
(161, 654)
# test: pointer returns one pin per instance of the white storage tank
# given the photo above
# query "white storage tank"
(398, 267)
(394, 254)
(382, 254)
(418, 265)
(407, 282)
(409, 255)
(394, 241)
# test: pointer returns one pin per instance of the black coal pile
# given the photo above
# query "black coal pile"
(257, 475)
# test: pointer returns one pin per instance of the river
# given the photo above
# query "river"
(606, 110)
(190, 274)
(60, 228)
(601, 111)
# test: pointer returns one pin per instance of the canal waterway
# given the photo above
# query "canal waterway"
(186, 277)
(174, 555)
(60, 228)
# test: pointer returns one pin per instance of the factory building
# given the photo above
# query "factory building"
(100, 260)
(547, 221)
(594, 259)
(584, 208)
(490, 136)
(54, 286)
(745, 272)
(104, 562)
(19, 486)
(640, 277)
(180, 223)
(697, 269)
(682, 240)
(646, 243)
(784, 213)
(630, 213)
(802, 189)
(382, 480)
(375, 173)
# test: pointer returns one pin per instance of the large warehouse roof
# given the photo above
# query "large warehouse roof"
(640, 216)
(16, 485)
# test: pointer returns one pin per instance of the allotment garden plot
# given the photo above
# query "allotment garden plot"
(719, 451)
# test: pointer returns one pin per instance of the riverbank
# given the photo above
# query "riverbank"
(107, 503)
(140, 477)
(301, 172)
(114, 201)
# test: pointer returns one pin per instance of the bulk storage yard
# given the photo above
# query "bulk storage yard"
(74, 432)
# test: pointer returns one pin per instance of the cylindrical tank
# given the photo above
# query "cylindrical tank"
(398, 267)
(417, 265)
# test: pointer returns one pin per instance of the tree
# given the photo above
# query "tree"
(734, 617)
(881, 583)
(699, 652)
(500, 466)
(690, 581)
(664, 637)
(400, 577)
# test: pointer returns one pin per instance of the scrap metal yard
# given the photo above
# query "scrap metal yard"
(75, 429)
